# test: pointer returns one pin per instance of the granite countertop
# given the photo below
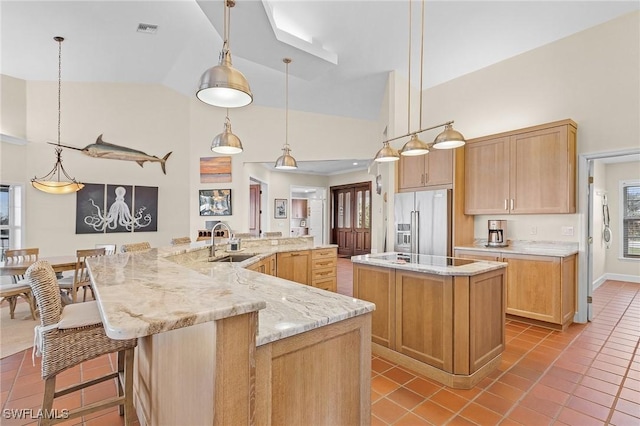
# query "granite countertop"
(143, 293)
(537, 248)
(438, 265)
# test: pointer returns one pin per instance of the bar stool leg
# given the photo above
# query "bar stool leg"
(121, 369)
(129, 411)
(47, 401)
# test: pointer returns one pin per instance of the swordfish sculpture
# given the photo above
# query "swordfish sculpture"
(102, 149)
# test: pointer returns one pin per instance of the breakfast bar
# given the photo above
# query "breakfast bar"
(443, 317)
(221, 344)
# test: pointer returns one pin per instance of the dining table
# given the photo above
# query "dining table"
(58, 263)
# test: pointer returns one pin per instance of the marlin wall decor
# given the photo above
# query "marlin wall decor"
(102, 149)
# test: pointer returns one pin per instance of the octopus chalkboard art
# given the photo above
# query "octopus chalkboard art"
(102, 208)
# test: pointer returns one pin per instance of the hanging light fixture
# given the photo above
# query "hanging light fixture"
(223, 85)
(51, 182)
(449, 138)
(286, 161)
(226, 142)
(415, 146)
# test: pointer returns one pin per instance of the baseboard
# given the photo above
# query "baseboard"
(597, 283)
(622, 277)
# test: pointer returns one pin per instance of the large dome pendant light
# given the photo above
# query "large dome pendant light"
(449, 138)
(286, 161)
(51, 183)
(222, 85)
(415, 146)
(226, 142)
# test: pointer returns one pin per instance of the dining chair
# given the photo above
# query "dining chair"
(19, 256)
(108, 248)
(180, 240)
(80, 278)
(70, 335)
(125, 248)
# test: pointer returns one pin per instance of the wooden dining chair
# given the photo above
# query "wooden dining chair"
(108, 248)
(20, 256)
(80, 278)
(125, 248)
(19, 287)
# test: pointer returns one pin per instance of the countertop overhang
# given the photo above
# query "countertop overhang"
(438, 265)
(534, 248)
(144, 293)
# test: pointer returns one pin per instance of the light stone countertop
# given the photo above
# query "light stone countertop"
(438, 265)
(143, 293)
(535, 248)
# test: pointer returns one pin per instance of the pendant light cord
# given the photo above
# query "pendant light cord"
(59, 40)
(287, 61)
(409, 77)
(421, 61)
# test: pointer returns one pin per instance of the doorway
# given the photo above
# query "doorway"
(589, 204)
(257, 191)
(308, 212)
(351, 218)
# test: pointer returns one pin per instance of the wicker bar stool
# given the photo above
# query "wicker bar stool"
(125, 248)
(69, 336)
(180, 240)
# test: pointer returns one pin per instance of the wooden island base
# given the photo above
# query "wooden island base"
(455, 381)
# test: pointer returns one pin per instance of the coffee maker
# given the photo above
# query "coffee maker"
(497, 231)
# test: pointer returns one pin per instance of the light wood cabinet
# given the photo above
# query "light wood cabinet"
(539, 288)
(422, 171)
(378, 285)
(265, 266)
(528, 171)
(298, 208)
(324, 269)
(294, 266)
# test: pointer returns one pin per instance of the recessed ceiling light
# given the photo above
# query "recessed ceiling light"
(147, 28)
(355, 164)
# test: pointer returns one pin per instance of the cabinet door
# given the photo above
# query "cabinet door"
(534, 287)
(377, 285)
(543, 171)
(411, 172)
(424, 318)
(295, 266)
(477, 255)
(439, 167)
(487, 176)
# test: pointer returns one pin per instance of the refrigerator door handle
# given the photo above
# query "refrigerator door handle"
(411, 233)
(416, 219)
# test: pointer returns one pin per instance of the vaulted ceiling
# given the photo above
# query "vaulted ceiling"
(342, 51)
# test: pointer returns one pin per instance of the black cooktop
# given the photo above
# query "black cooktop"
(424, 259)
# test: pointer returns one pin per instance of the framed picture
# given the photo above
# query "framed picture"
(215, 202)
(280, 210)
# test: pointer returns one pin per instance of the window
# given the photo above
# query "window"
(10, 217)
(630, 210)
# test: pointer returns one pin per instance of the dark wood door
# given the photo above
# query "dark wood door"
(351, 218)
(254, 210)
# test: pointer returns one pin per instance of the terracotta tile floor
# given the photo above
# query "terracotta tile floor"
(587, 375)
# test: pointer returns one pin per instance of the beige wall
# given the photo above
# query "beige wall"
(592, 77)
(13, 107)
(614, 265)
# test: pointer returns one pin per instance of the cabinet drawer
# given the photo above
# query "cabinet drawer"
(324, 263)
(325, 253)
(329, 284)
(322, 273)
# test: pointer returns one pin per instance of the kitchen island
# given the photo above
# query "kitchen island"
(442, 317)
(220, 344)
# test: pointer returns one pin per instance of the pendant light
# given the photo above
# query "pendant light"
(51, 183)
(415, 146)
(286, 161)
(223, 85)
(449, 138)
(226, 142)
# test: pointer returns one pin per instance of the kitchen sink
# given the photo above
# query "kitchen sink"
(233, 258)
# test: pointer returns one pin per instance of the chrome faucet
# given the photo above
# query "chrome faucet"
(213, 236)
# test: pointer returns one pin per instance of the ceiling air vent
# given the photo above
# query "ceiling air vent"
(147, 28)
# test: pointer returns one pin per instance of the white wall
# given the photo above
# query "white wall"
(13, 107)
(615, 173)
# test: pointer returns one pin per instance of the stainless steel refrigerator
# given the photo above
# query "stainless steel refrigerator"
(423, 222)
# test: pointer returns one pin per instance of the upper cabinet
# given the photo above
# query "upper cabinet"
(298, 208)
(528, 171)
(422, 171)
